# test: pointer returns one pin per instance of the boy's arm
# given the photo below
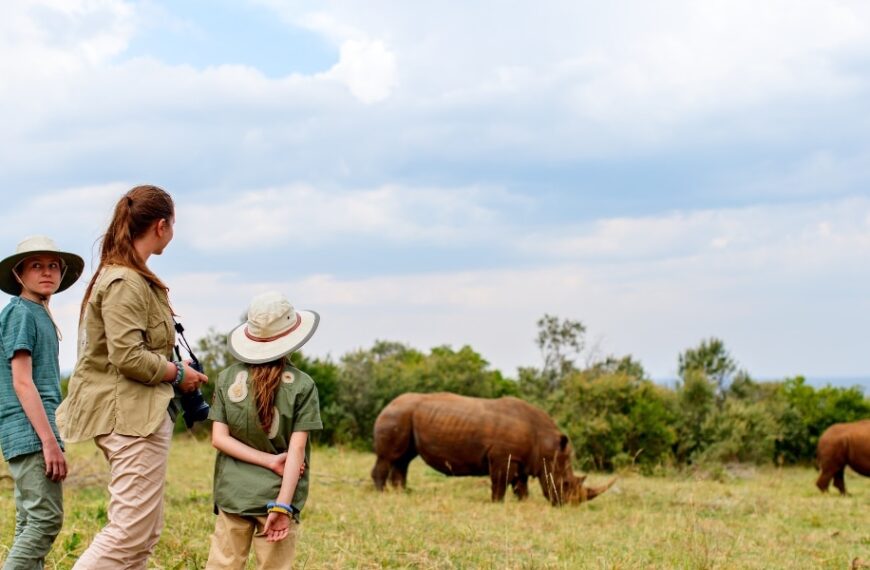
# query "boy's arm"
(277, 524)
(226, 443)
(22, 383)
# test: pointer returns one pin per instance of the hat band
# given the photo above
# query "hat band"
(277, 336)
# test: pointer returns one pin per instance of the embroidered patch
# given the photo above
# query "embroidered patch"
(287, 378)
(238, 390)
(276, 422)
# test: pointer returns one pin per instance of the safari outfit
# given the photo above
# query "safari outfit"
(241, 490)
(26, 326)
(117, 397)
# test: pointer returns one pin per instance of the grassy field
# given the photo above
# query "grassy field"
(738, 518)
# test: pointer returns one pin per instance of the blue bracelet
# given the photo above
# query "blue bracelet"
(179, 374)
(285, 506)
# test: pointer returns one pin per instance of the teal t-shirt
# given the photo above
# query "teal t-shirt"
(243, 488)
(25, 325)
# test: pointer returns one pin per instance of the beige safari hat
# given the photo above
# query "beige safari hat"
(274, 328)
(35, 245)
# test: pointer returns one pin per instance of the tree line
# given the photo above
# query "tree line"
(615, 415)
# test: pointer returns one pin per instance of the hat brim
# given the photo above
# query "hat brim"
(253, 352)
(74, 267)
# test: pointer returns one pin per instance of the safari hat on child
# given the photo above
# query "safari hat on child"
(35, 245)
(274, 328)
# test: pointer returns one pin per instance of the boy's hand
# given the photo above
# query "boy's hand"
(55, 462)
(277, 527)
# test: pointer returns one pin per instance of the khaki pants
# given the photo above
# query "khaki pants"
(232, 539)
(138, 477)
(38, 512)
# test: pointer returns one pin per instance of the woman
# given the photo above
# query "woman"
(263, 410)
(122, 385)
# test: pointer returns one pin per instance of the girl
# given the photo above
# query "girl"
(263, 410)
(121, 387)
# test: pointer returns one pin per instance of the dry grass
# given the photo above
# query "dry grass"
(737, 518)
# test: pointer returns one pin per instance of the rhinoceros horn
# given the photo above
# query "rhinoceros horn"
(590, 493)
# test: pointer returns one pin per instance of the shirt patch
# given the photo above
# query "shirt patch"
(276, 422)
(238, 390)
(287, 377)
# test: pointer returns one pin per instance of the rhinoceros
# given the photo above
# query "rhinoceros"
(508, 439)
(841, 445)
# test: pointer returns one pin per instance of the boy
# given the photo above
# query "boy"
(30, 394)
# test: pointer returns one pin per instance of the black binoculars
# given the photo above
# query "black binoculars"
(193, 405)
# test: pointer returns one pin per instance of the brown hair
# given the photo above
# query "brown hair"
(134, 213)
(265, 379)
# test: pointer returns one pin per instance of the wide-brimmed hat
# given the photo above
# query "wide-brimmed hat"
(36, 245)
(274, 328)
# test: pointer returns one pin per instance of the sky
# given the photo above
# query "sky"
(448, 173)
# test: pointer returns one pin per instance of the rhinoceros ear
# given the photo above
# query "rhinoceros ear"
(563, 441)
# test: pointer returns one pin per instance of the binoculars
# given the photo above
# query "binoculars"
(193, 405)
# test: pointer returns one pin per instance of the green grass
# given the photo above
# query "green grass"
(738, 518)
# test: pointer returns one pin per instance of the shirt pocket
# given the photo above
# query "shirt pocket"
(157, 336)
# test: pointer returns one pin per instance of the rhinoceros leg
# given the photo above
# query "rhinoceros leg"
(502, 472)
(380, 472)
(829, 470)
(399, 472)
(521, 487)
(840, 480)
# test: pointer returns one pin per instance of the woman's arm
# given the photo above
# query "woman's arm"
(278, 524)
(225, 443)
(31, 402)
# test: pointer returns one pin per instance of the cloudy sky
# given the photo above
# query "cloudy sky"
(447, 173)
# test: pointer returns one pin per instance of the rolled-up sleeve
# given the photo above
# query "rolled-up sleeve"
(125, 317)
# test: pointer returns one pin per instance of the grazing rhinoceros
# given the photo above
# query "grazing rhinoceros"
(507, 439)
(841, 445)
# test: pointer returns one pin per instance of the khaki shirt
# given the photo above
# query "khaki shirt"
(125, 340)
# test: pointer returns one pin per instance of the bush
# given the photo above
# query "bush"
(614, 419)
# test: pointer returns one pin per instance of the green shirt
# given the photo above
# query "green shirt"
(25, 325)
(243, 488)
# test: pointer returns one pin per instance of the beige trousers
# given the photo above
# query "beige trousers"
(138, 477)
(232, 539)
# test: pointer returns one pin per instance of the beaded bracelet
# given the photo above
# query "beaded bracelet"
(179, 373)
(283, 508)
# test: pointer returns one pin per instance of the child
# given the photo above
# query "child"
(30, 394)
(263, 410)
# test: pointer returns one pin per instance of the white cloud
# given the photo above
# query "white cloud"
(368, 68)
(302, 214)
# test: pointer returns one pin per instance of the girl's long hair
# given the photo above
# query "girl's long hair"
(265, 380)
(134, 213)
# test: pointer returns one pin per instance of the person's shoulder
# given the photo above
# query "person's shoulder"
(228, 374)
(16, 310)
(299, 378)
(120, 272)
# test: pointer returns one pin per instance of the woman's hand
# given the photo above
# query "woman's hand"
(277, 527)
(192, 378)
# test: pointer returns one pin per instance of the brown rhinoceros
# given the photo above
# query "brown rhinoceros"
(841, 445)
(507, 439)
